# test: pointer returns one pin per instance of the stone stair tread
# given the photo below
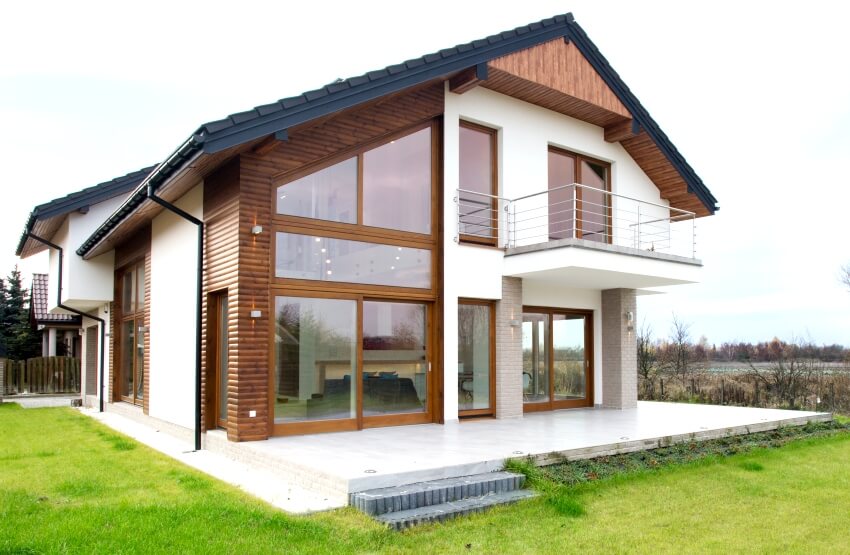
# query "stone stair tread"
(435, 492)
(438, 513)
(435, 484)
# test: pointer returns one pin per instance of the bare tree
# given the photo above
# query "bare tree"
(844, 276)
(679, 352)
(791, 375)
(647, 360)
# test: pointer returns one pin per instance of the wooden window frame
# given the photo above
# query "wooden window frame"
(578, 160)
(359, 229)
(359, 292)
(491, 410)
(137, 316)
(360, 422)
(494, 185)
(551, 404)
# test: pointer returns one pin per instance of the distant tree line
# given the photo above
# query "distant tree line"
(775, 373)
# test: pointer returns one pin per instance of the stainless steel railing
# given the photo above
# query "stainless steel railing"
(575, 211)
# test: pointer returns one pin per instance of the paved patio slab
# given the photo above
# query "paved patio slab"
(347, 462)
(316, 472)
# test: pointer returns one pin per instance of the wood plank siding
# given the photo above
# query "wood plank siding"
(237, 197)
(658, 168)
(221, 273)
(556, 76)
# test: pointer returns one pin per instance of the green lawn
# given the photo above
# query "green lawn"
(68, 484)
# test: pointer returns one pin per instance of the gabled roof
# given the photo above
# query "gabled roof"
(47, 217)
(38, 305)
(279, 117)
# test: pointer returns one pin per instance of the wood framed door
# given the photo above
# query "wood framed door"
(218, 357)
(557, 358)
(579, 212)
(476, 369)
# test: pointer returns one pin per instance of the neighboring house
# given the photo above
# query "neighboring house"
(59, 332)
(60, 226)
(463, 234)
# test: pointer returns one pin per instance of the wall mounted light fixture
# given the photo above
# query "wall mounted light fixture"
(256, 230)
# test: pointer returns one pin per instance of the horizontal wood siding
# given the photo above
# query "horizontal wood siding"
(308, 145)
(250, 340)
(146, 389)
(221, 272)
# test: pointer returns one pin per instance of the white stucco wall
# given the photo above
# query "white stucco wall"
(172, 312)
(85, 283)
(525, 132)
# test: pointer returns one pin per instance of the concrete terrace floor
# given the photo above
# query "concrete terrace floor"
(318, 472)
(347, 462)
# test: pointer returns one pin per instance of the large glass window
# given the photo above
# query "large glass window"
(341, 260)
(478, 207)
(394, 178)
(582, 212)
(315, 346)
(131, 333)
(395, 358)
(397, 184)
(328, 194)
(475, 358)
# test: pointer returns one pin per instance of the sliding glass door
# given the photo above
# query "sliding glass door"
(350, 363)
(476, 370)
(557, 355)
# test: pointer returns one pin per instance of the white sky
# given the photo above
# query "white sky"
(755, 95)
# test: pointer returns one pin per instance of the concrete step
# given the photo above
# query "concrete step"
(436, 492)
(399, 520)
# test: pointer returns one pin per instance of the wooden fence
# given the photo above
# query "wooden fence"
(40, 375)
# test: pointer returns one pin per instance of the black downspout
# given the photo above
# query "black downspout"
(186, 216)
(74, 310)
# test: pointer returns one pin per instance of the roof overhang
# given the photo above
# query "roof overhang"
(212, 143)
(45, 219)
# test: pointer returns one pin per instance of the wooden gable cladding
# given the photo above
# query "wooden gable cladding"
(556, 75)
(658, 168)
(311, 143)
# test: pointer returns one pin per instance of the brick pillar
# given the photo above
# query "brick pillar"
(509, 350)
(619, 349)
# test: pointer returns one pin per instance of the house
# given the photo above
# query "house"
(460, 235)
(59, 226)
(59, 332)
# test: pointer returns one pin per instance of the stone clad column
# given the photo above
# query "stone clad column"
(509, 350)
(619, 349)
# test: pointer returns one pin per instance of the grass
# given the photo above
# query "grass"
(70, 485)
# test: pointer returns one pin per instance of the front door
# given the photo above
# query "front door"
(221, 355)
(557, 353)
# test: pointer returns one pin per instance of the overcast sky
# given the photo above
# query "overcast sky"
(755, 95)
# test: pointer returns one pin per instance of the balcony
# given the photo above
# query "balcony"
(613, 240)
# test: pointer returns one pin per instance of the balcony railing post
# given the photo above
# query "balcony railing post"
(457, 218)
(693, 236)
(637, 232)
(575, 211)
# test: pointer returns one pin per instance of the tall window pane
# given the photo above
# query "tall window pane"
(535, 357)
(315, 359)
(397, 184)
(562, 174)
(478, 210)
(473, 368)
(328, 194)
(594, 204)
(395, 362)
(329, 259)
